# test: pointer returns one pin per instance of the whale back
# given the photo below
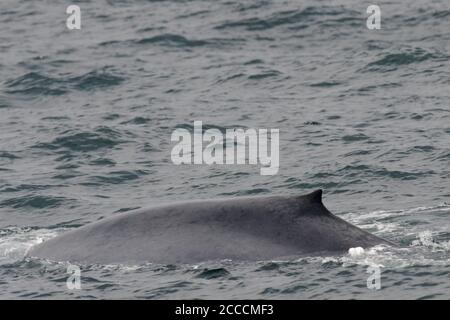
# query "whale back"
(248, 228)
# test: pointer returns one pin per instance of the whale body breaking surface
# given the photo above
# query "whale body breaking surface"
(241, 229)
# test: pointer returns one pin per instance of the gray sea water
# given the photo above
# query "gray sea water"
(86, 117)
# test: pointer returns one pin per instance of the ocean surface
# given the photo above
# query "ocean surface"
(86, 118)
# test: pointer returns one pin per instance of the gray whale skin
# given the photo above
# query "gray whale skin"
(240, 229)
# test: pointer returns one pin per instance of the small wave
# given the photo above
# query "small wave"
(441, 14)
(402, 58)
(95, 80)
(403, 175)
(241, 193)
(101, 138)
(102, 162)
(366, 170)
(213, 273)
(389, 213)
(116, 177)
(426, 239)
(391, 61)
(24, 187)
(325, 84)
(4, 103)
(8, 155)
(138, 121)
(269, 266)
(191, 14)
(172, 40)
(387, 258)
(229, 78)
(281, 18)
(178, 41)
(34, 83)
(424, 16)
(15, 242)
(241, 7)
(253, 61)
(386, 222)
(295, 183)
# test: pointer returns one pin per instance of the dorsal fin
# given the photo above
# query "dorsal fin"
(314, 197)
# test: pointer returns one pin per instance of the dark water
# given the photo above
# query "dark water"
(86, 119)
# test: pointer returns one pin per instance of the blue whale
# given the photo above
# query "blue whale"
(241, 229)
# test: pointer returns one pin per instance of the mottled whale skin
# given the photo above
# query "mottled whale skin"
(241, 229)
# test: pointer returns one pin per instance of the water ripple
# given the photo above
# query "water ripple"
(100, 138)
(34, 83)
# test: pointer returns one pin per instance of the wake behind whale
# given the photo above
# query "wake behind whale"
(242, 229)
